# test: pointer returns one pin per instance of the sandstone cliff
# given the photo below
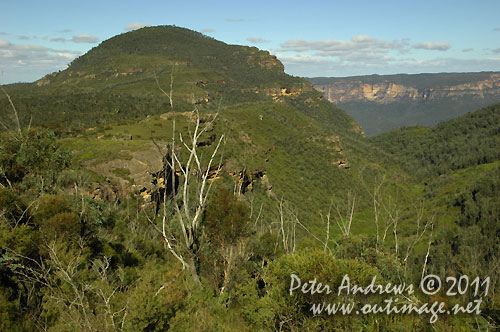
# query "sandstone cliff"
(381, 103)
(388, 90)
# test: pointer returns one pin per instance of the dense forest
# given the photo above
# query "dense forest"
(132, 209)
(470, 140)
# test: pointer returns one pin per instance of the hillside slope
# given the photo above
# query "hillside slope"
(457, 164)
(470, 140)
(276, 125)
(120, 79)
(99, 232)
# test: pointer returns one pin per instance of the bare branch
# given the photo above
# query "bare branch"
(169, 95)
(428, 251)
(15, 112)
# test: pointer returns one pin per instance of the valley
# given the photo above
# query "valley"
(384, 102)
(169, 181)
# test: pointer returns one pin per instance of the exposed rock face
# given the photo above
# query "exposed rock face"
(246, 180)
(381, 103)
(386, 89)
(264, 60)
(335, 146)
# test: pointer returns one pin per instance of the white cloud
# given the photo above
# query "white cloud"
(58, 39)
(135, 26)
(434, 46)
(314, 65)
(66, 54)
(341, 48)
(23, 62)
(496, 50)
(467, 50)
(81, 38)
(84, 38)
(257, 40)
(359, 50)
(4, 43)
(208, 30)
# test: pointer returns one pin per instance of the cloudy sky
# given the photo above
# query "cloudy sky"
(311, 38)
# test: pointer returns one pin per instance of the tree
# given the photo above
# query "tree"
(181, 229)
(226, 224)
(35, 154)
(169, 95)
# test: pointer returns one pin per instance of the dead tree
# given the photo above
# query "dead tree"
(345, 213)
(180, 230)
(170, 94)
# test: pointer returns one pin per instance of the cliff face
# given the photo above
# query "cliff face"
(387, 91)
(381, 103)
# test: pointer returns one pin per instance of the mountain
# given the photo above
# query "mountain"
(383, 102)
(132, 66)
(166, 181)
(114, 93)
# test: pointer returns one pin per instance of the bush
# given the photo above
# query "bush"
(36, 153)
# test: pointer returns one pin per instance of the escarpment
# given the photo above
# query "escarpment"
(389, 89)
(384, 102)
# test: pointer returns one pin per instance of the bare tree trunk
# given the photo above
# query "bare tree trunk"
(428, 251)
(193, 194)
(170, 94)
(193, 269)
(16, 117)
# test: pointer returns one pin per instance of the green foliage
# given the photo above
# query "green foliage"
(13, 209)
(225, 220)
(255, 309)
(473, 241)
(293, 313)
(56, 219)
(205, 313)
(35, 155)
(470, 140)
(70, 262)
(12, 318)
(156, 298)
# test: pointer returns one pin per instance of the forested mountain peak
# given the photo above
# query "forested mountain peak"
(194, 57)
(176, 43)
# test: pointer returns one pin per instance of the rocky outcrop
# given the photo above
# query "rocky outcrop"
(388, 89)
(265, 60)
(246, 180)
(340, 159)
(279, 94)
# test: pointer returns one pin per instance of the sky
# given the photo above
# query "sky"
(312, 38)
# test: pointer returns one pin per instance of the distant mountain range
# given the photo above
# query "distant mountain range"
(383, 102)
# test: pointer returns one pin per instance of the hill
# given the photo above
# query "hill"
(278, 124)
(457, 164)
(470, 140)
(383, 102)
(167, 181)
(199, 69)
